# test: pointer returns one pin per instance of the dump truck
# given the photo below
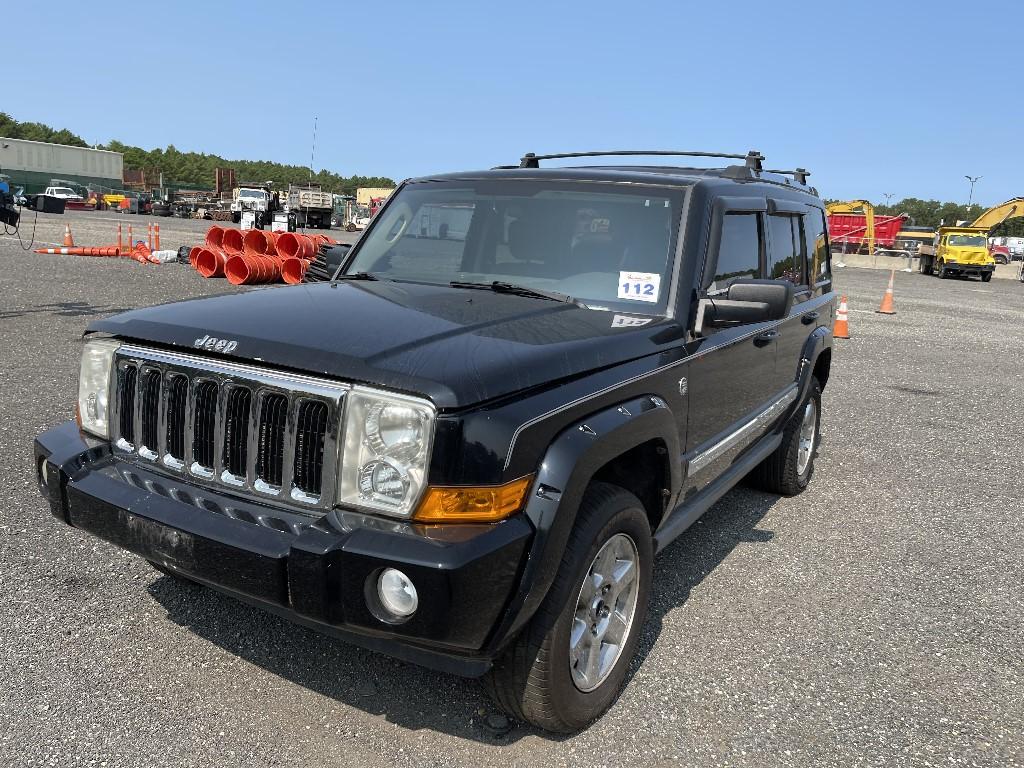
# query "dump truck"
(854, 224)
(310, 206)
(963, 250)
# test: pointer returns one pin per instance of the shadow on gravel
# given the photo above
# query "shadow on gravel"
(64, 309)
(417, 698)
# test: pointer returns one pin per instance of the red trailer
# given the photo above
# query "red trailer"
(852, 229)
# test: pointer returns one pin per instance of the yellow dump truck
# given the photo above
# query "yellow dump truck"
(965, 250)
(958, 251)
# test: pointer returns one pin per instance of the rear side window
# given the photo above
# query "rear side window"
(819, 268)
(786, 260)
(739, 250)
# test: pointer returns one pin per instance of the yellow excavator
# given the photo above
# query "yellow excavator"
(964, 250)
(867, 232)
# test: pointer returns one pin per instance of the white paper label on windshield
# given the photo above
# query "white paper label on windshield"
(639, 286)
(628, 321)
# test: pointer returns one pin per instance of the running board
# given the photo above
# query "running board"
(687, 513)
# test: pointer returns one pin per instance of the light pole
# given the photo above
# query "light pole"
(973, 180)
(888, 196)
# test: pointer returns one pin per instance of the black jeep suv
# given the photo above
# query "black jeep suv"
(466, 448)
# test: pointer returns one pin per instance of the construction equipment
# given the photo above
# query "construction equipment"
(963, 250)
(855, 223)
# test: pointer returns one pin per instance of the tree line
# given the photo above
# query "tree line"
(193, 168)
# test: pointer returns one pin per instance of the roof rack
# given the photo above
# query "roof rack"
(800, 174)
(753, 159)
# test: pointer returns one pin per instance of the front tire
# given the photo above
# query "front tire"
(986, 277)
(942, 273)
(568, 664)
(788, 470)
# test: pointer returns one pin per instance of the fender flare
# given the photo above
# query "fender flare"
(817, 342)
(567, 468)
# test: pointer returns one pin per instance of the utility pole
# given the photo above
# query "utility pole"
(973, 180)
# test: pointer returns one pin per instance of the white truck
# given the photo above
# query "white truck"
(255, 199)
(310, 207)
(64, 193)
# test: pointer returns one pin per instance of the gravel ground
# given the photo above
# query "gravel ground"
(874, 620)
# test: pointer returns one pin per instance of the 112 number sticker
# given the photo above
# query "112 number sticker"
(639, 286)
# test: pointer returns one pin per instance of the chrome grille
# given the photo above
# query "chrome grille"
(263, 434)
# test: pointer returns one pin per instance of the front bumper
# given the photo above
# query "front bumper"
(314, 571)
(969, 269)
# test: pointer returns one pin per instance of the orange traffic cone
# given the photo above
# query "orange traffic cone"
(887, 308)
(841, 329)
(68, 240)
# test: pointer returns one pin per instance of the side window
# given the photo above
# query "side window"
(739, 250)
(820, 268)
(786, 260)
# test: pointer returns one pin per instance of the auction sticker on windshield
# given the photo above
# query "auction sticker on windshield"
(639, 286)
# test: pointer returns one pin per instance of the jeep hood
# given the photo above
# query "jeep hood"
(458, 347)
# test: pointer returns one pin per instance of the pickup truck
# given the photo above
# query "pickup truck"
(465, 451)
(64, 193)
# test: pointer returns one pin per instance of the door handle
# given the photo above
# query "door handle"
(765, 338)
(809, 318)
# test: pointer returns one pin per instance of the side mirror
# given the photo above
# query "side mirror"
(777, 294)
(746, 302)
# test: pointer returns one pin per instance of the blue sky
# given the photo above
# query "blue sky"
(852, 92)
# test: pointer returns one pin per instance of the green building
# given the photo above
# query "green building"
(34, 164)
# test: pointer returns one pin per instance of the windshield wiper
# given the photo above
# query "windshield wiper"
(358, 276)
(499, 286)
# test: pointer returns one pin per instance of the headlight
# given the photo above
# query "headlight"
(94, 386)
(386, 450)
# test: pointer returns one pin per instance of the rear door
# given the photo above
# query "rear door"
(732, 373)
(787, 260)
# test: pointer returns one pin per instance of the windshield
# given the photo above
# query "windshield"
(63, 191)
(972, 241)
(609, 249)
(252, 193)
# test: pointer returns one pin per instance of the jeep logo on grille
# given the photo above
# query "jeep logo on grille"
(214, 344)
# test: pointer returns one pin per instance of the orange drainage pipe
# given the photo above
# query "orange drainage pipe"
(210, 263)
(215, 236)
(291, 245)
(232, 242)
(250, 270)
(259, 243)
(193, 252)
(294, 270)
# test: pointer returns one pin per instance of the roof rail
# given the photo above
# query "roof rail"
(800, 174)
(753, 158)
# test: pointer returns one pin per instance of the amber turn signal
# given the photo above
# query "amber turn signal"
(487, 504)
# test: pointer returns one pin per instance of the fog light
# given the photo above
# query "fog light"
(397, 594)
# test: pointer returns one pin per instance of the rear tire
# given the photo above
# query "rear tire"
(544, 677)
(924, 265)
(788, 470)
